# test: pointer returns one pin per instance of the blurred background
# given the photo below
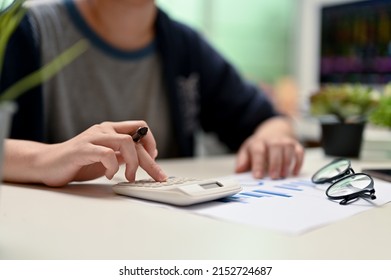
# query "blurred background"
(307, 41)
(291, 47)
(257, 36)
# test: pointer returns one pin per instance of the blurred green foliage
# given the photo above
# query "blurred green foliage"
(348, 103)
(381, 116)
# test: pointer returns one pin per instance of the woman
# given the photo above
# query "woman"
(143, 65)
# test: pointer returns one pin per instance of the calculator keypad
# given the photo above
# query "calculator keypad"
(150, 183)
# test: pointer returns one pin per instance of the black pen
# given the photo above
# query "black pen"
(139, 134)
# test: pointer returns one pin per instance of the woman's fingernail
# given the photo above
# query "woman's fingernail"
(257, 174)
(162, 176)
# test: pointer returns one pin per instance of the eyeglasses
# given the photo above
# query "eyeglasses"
(346, 184)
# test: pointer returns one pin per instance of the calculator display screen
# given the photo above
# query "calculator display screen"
(211, 185)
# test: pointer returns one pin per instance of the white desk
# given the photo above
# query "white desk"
(88, 221)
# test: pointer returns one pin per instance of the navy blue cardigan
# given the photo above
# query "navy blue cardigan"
(226, 104)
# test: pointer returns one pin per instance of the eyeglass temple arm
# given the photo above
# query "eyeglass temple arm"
(370, 194)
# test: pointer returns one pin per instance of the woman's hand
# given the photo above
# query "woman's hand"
(271, 150)
(98, 151)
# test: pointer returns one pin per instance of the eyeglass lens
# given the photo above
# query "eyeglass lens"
(331, 171)
(349, 185)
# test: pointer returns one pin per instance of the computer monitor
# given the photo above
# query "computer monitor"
(355, 43)
(333, 48)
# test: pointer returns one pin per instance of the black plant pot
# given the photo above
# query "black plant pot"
(342, 139)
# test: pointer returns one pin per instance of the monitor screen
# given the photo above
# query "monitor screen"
(355, 43)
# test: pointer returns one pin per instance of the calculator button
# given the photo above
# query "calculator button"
(150, 183)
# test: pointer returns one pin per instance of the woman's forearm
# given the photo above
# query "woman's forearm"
(20, 161)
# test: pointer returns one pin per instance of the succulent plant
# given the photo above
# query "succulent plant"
(347, 103)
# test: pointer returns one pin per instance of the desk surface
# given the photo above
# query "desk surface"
(88, 221)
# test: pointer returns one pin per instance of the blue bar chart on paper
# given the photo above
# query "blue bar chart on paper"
(268, 188)
(293, 205)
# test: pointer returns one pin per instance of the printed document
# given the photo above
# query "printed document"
(291, 206)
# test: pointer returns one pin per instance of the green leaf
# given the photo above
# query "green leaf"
(9, 21)
(381, 116)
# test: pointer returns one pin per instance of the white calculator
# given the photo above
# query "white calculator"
(178, 190)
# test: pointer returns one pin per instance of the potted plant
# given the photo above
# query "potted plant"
(11, 13)
(381, 115)
(343, 111)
